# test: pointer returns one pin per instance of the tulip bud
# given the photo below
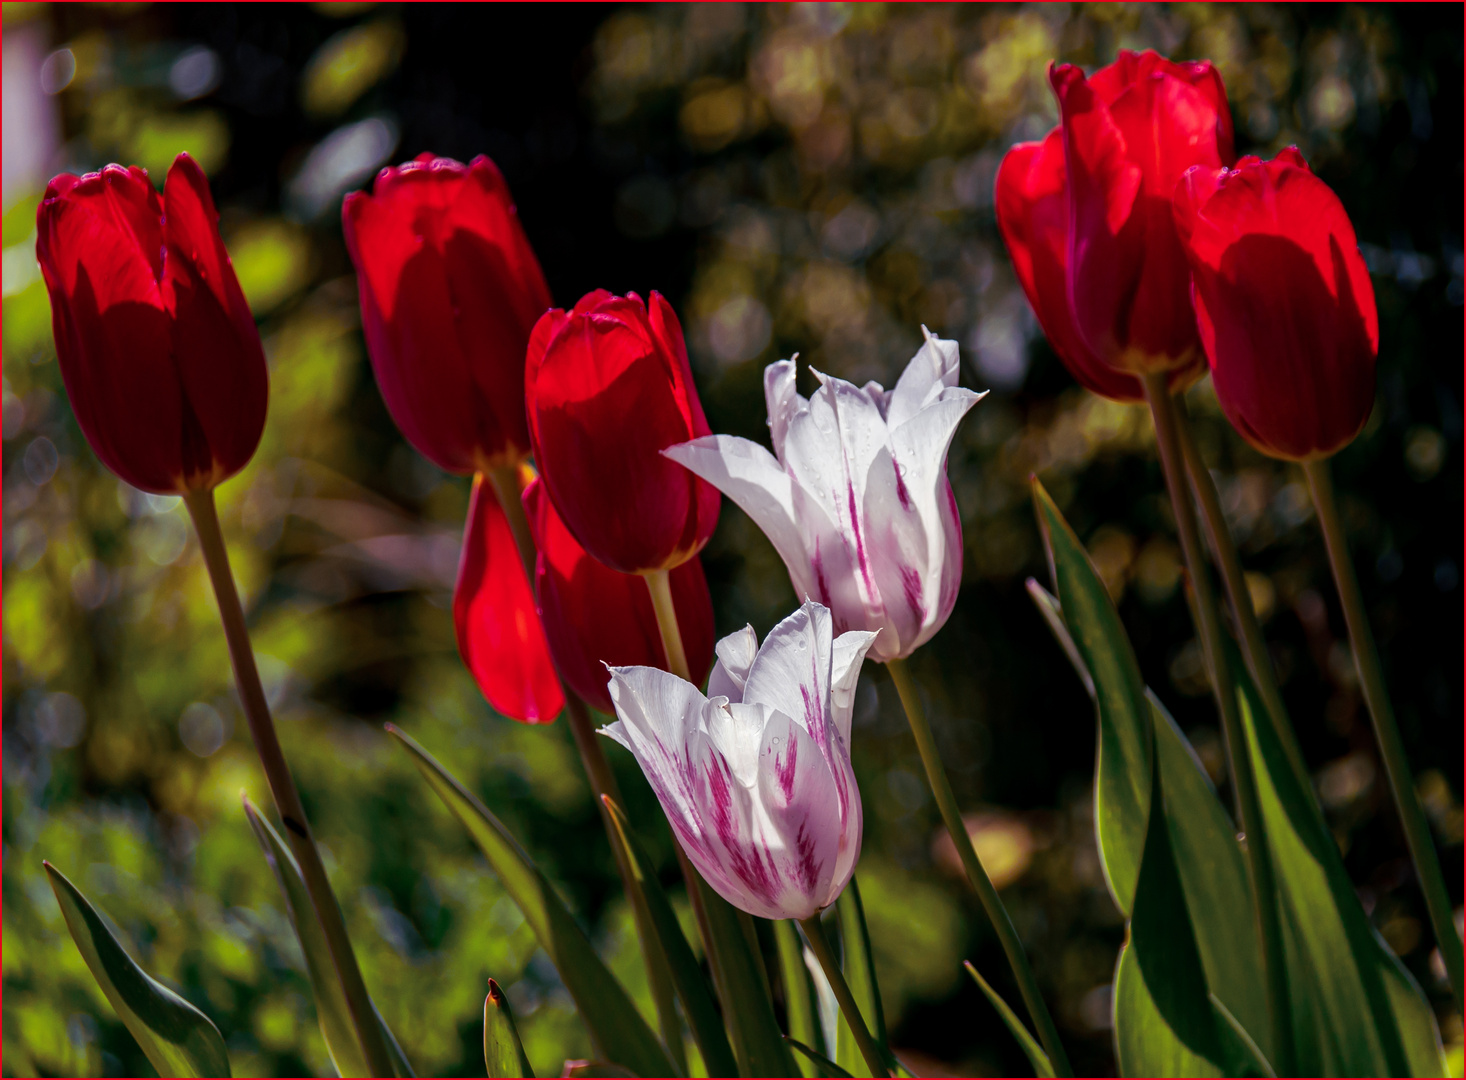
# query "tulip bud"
(156, 343)
(1283, 302)
(756, 778)
(608, 387)
(499, 633)
(1085, 215)
(594, 616)
(857, 501)
(450, 290)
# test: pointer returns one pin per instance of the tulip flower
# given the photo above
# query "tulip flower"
(450, 290)
(1086, 215)
(608, 386)
(857, 501)
(594, 616)
(1283, 302)
(755, 778)
(500, 636)
(157, 347)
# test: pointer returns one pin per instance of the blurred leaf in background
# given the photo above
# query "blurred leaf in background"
(811, 178)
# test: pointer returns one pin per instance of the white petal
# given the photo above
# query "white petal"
(791, 673)
(735, 655)
(781, 399)
(798, 795)
(847, 655)
(900, 555)
(737, 733)
(933, 369)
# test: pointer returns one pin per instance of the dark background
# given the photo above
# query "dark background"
(836, 195)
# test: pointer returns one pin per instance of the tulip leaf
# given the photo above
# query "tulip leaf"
(1036, 1057)
(743, 987)
(821, 1065)
(332, 1012)
(503, 1052)
(1364, 1005)
(617, 1028)
(697, 1000)
(799, 1005)
(176, 1037)
(1164, 1021)
(860, 975)
(1122, 767)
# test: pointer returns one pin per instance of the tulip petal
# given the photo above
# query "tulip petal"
(782, 401)
(499, 633)
(215, 343)
(931, 371)
(791, 673)
(846, 658)
(798, 793)
(736, 653)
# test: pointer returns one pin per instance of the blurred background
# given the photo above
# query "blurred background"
(814, 177)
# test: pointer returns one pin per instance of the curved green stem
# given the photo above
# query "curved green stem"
(1244, 782)
(1386, 731)
(814, 933)
(936, 776)
(282, 785)
(1239, 598)
(505, 481)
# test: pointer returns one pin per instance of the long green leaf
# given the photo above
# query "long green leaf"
(743, 987)
(619, 1031)
(331, 1009)
(859, 967)
(177, 1038)
(1036, 1056)
(1122, 768)
(799, 1006)
(503, 1052)
(697, 1001)
(818, 1063)
(1164, 1021)
(1361, 995)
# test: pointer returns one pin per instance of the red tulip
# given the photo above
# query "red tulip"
(594, 616)
(1283, 302)
(450, 290)
(499, 633)
(159, 352)
(1086, 215)
(608, 388)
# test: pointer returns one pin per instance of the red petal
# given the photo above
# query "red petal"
(594, 616)
(215, 342)
(1286, 305)
(605, 402)
(99, 241)
(499, 633)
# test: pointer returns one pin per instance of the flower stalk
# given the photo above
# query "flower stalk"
(659, 584)
(1239, 761)
(947, 803)
(814, 933)
(282, 785)
(1386, 731)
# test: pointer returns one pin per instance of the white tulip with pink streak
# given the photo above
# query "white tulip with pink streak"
(755, 777)
(855, 497)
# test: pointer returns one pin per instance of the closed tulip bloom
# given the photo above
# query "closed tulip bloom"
(755, 778)
(1283, 302)
(608, 387)
(450, 290)
(499, 633)
(855, 497)
(1128, 133)
(1032, 207)
(594, 616)
(156, 343)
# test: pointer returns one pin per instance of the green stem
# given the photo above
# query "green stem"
(1386, 731)
(282, 785)
(814, 933)
(505, 481)
(947, 803)
(659, 584)
(1244, 783)
(1254, 645)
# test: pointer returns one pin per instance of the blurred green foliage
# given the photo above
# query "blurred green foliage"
(811, 178)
